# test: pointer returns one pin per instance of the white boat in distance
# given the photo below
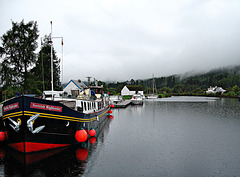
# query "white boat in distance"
(152, 96)
(137, 99)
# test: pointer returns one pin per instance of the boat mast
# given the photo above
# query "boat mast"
(153, 83)
(51, 60)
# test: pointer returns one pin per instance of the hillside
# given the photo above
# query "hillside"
(226, 77)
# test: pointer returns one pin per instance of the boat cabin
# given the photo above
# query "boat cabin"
(48, 94)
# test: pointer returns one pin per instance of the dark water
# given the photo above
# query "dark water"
(178, 136)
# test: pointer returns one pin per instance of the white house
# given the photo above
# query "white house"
(131, 90)
(215, 89)
(74, 87)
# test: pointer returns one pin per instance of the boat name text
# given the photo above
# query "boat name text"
(10, 107)
(46, 107)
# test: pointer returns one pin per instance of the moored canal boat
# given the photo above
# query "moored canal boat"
(137, 99)
(34, 124)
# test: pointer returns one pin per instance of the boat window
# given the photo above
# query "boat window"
(85, 106)
(79, 109)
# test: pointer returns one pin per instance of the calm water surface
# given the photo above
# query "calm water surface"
(177, 136)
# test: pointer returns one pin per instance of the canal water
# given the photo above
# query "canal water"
(177, 136)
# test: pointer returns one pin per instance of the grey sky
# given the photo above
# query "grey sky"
(131, 39)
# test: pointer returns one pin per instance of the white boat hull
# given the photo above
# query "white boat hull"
(152, 97)
(137, 102)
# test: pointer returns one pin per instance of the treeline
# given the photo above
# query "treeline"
(227, 78)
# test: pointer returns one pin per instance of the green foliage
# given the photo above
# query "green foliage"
(231, 94)
(11, 92)
(235, 89)
(165, 90)
(127, 97)
(42, 70)
(21, 69)
(163, 95)
(18, 54)
(178, 88)
(198, 91)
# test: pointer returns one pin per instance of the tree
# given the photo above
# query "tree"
(18, 54)
(198, 91)
(165, 90)
(171, 80)
(178, 88)
(235, 89)
(42, 70)
(132, 82)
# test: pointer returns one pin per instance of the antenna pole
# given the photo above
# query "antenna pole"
(62, 60)
(89, 80)
(51, 60)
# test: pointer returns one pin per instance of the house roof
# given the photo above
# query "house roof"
(78, 83)
(134, 88)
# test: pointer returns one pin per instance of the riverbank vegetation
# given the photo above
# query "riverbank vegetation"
(194, 85)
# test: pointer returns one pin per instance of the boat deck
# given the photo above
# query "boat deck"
(70, 104)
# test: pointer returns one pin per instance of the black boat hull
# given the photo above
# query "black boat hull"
(59, 121)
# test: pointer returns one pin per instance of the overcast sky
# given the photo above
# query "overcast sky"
(133, 39)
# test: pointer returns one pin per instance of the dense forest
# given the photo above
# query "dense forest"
(227, 78)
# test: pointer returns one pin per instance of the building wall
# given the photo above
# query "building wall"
(69, 87)
(126, 91)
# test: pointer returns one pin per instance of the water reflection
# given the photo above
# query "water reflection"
(68, 161)
(178, 137)
(187, 99)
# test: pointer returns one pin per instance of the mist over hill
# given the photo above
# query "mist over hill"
(226, 77)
